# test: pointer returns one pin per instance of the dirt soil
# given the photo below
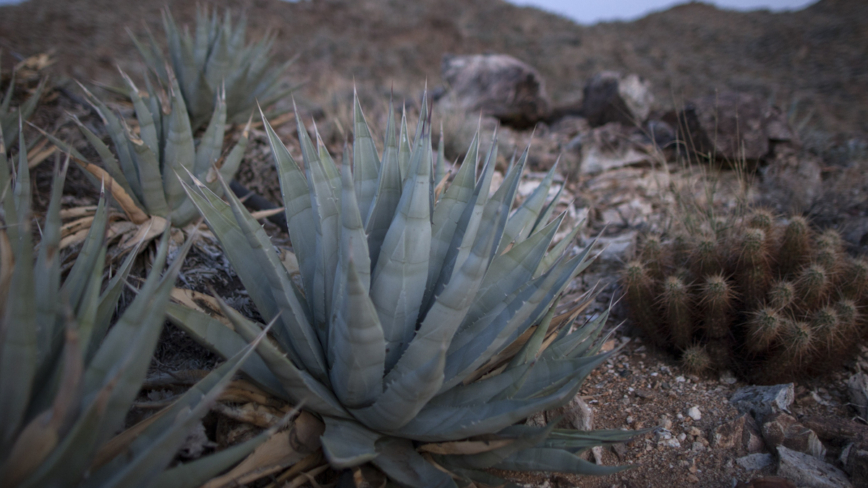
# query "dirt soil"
(811, 62)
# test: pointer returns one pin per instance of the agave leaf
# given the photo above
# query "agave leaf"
(117, 133)
(18, 346)
(108, 302)
(69, 460)
(546, 213)
(398, 280)
(354, 242)
(198, 472)
(578, 343)
(404, 148)
(522, 220)
(402, 463)
(477, 343)
(147, 129)
(223, 340)
(297, 334)
(531, 348)
(233, 160)
(442, 320)
(179, 151)
(440, 165)
(138, 329)
(405, 396)
(152, 180)
(521, 436)
(211, 144)
(347, 443)
(365, 157)
(47, 269)
(549, 260)
(75, 284)
(468, 224)
(547, 459)
(41, 435)
(105, 154)
(357, 353)
(448, 213)
(324, 197)
(299, 384)
(510, 271)
(297, 202)
(452, 423)
(154, 448)
(389, 186)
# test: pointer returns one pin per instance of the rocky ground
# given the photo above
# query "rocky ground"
(621, 170)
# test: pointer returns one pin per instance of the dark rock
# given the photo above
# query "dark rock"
(755, 462)
(610, 97)
(784, 430)
(496, 85)
(728, 435)
(808, 471)
(763, 401)
(752, 439)
(855, 462)
(731, 126)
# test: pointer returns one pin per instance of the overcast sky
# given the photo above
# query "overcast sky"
(589, 12)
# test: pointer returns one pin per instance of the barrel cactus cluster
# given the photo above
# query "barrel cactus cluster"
(767, 297)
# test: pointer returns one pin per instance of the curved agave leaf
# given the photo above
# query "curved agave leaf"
(347, 444)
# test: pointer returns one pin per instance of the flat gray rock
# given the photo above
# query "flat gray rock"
(755, 462)
(808, 471)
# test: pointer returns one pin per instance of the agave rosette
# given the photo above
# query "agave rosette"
(147, 164)
(67, 379)
(213, 59)
(410, 325)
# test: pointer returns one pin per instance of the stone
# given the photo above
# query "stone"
(783, 430)
(728, 435)
(855, 461)
(857, 387)
(807, 471)
(754, 462)
(497, 85)
(752, 439)
(763, 401)
(694, 413)
(731, 126)
(611, 97)
(791, 182)
(575, 415)
(608, 147)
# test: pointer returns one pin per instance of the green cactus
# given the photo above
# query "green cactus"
(773, 300)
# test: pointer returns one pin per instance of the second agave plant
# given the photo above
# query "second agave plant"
(413, 318)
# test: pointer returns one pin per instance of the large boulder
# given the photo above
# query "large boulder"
(497, 85)
(732, 127)
(611, 97)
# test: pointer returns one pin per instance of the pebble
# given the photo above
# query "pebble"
(693, 412)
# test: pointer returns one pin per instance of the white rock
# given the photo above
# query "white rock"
(693, 412)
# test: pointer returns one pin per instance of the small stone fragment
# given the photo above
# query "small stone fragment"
(728, 435)
(694, 413)
(763, 401)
